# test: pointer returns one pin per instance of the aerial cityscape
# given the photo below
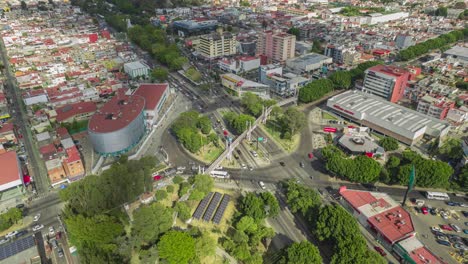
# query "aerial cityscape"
(215, 132)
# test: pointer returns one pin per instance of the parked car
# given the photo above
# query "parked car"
(21, 233)
(60, 253)
(465, 231)
(432, 211)
(452, 204)
(424, 210)
(243, 166)
(465, 213)
(436, 229)
(4, 240)
(444, 238)
(51, 231)
(380, 250)
(455, 228)
(460, 246)
(310, 155)
(456, 216)
(417, 209)
(445, 243)
(37, 227)
(446, 227)
(301, 164)
(282, 163)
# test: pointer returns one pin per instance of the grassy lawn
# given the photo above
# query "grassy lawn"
(326, 115)
(208, 153)
(288, 145)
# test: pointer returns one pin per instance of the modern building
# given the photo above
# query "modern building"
(376, 18)
(136, 69)
(435, 107)
(283, 85)
(388, 82)
(155, 95)
(57, 174)
(240, 64)
(381, 215)
(119, 125)
(308, 63)
(335, 52)
(248, 47)
(73, 164)
(7, 133)
(277, 47)
(217, 44)
(404, 41)
(241, 85)
(406, 125)
(77, 111)
(192, 27)
(458, 116)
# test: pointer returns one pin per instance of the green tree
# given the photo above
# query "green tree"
(183, 211)
(301, 199)
(183, 188)
(24, 6)
(393, 162)
(170, 188)
(389, 143)
(160, 195)
(150, 221)
(205, 245)
(293, 120)
(204, 123)
(177, 247)
(159, 74)
(295, 31)
(247, 224)
(451, 149)
(341, 79)
(301, 253)
(253, 206)
(253, 103)
(177, 63)
(203, 183)
(178, 179)
(315, 90)
(271, 202)
(441, 11)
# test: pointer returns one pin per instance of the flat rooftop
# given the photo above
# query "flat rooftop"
(116, 114)
(458, 51)
(388, 70)
(310, 58)
(390, 116)
(152, 92)
(10, 175)
(417, 251)
(358, 143)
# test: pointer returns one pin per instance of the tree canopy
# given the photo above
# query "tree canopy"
(301, 199)
(389, 143)
(238, 121)
(451, 150)
(190, 129)
(203, 184)
(177, 247)
(254, 104)
(151, 221)
(301, 253)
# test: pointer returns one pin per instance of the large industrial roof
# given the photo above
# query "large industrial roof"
(385, 114)
(70, 110)
(116, 114)
(10, 169)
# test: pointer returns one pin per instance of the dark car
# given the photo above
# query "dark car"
(417, 209)
(380, 250)
(21, 233)
(432, 211)
(452, 204)
(301, 164)
(19, 206)
(282, 163)
(445, 243)
(465, 213)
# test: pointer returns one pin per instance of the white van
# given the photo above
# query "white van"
(419, 202)
(262, 185)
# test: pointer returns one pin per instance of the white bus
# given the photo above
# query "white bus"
(220, 174)
(437, 196)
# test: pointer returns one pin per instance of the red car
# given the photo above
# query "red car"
(381, 251)
(446, 227)
(424, 210)
(311, 155)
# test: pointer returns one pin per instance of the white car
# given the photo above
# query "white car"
(11, 234)
(36, 217)
(244, 166)
(262, 185)
(436, 229)
(51, 231)
(37, 228)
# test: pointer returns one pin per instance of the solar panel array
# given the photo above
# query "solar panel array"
(212, 207)
(202, 206)
(222, 207)
(16, 247)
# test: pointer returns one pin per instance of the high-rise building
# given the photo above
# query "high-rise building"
(277, 47)
(217, 44)
(404, 41)
(385, 81)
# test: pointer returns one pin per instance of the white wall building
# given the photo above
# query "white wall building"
(136, 68)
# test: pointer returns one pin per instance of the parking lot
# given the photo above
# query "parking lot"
(423, 223)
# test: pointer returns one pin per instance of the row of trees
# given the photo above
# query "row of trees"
(337, 80)
(332, 225)
(434, 43)
(93, 211)
(153, 40)
(360, 169)
(239, 122)
(254, 104)
(193, 131)
(244, 240)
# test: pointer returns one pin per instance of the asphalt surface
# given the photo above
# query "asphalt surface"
(22, 122)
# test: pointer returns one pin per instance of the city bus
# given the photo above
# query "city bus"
(220, 174)
(437, 196)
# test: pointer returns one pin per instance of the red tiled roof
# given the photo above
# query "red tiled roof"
(47, 149)
(358, 199)
(423, 256)
(10, 169)
(62, 132)
(68, 111)
(152, 94)
(6, 128)
(395, 224)
(389, 70)
(116, 114)
(73, 155)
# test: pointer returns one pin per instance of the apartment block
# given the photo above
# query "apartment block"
(435, 107)
(388, 82)
(217, 44)
(277, 47)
